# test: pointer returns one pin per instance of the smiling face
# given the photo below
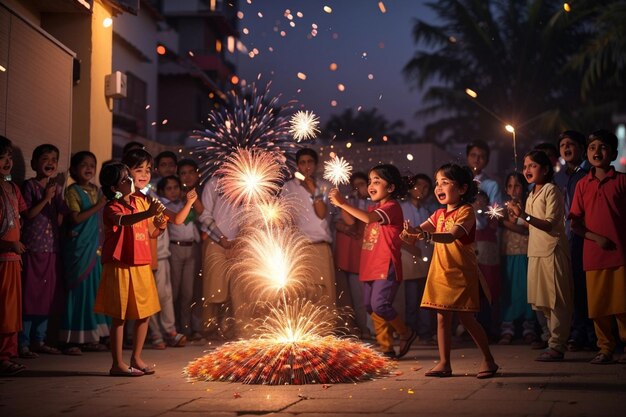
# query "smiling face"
(141, 175)
(6, 164)
(570, 150)
(600, 155)
(47, 164)
(85, 171)
(379, 189)
(448, 191)
(534, 172)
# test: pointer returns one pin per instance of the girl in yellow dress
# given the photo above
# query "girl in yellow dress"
(127, 290)
(453, 278)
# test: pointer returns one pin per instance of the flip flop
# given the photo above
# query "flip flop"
(11, 368)
(490, 373)
(602, 359)
(130, 372)
(439, 374)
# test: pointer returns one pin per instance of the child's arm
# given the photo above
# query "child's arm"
(198, 207)
(179, 218)
(49, 193)
(130, 219)
(80, 216)
(352, 212)
(17, 247)
(541, 224)
(579, 227)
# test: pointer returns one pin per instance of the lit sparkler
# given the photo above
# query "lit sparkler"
(304, 125)
(495, 211)
(337, 171)
(249, 177)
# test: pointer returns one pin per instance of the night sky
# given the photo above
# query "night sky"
(369, 47)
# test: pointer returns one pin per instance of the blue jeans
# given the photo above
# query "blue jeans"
(35, 326)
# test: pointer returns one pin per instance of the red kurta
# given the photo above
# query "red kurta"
(382, 244)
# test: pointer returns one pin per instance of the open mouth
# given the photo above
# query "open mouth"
(441, 196)
(48, 169)
(567, 154)
(597, 157)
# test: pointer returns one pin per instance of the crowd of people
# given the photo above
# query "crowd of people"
(150, 250)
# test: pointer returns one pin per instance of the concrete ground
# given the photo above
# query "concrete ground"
(80, 386)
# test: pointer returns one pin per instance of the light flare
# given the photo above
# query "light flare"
(495, 211)
(304, 125)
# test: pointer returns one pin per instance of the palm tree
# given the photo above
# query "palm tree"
(366, 125)
(514, 54)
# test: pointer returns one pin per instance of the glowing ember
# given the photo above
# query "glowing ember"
(249, 177)
(337, 171)
(304, 125)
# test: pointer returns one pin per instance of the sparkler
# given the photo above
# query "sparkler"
(337, 171)
(247, 120)
(304, 125)
(495, 211)
(249, 177)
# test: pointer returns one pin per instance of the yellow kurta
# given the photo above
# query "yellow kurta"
(453, 282)
(549, 267)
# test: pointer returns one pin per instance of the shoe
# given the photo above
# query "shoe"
(490, 373)
(406, 344)
(438, 374)
(177, 340)
(506, 339)
(130, 372)
(43, 348)
(550, 355)
(8, 368)
(159, 344)
(602, 359)
(72, 351)
(539, 344)
(390, 355)
(26, 353)
(147, 370)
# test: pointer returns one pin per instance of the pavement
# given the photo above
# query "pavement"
(59, 385)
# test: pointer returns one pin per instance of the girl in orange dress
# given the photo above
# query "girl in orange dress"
(453, 279)
(127, 290)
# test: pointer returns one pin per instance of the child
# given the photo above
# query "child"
(381, 265)
(188, 173)
(488, 258)
(42, 290)
(453, 279)
(81, 259)
(140, 164)
(184, 248)
(127, 290)
(550, 286)
(11, 204)
(514, 301)
(572, 145)
(348, 243)
(416, 256)
(597, 214)
(165, 164)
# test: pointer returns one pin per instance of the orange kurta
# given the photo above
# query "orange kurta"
(453, 282)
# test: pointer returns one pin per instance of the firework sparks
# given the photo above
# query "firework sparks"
(495, 211)
(304, 125)
(248, 120)
(337, 171)
(249, 177)
(275, 212)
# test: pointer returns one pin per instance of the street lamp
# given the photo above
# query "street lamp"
(511, 130)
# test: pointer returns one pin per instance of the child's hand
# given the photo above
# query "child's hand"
(160, 221)
(51, 190)
(18, 247)
(514, 208)
(155, 207)
(605, 243)
(192, 196)
(336, 198)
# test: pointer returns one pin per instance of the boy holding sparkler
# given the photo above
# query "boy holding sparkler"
(381, 265)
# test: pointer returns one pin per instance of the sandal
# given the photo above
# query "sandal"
(550, 355)
(43, 348)
(72, 351)
(602, 359)
(9, 368)
(177, 340)
(26, 353)
(159, 344)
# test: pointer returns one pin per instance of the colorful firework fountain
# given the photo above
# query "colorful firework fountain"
(293, 341)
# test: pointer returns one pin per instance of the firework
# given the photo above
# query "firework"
(495, 211)
(249, 177)
(304, 125)
(294, 347)
(337, 171)
(274, 212)
(247, 120)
